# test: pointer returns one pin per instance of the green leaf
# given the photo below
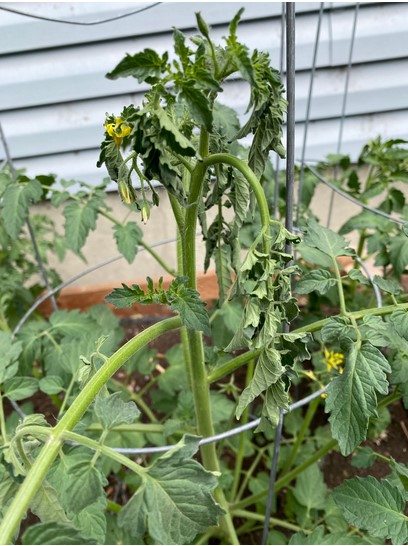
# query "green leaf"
(241, 197)
(366, 220)
(374, 330)
(223, 271)
(79, 221)
(18, 388)
(128, 238)
(310, 490)
(175, 489)
(125, 296)
(53, 533)
(91, 522)
(402, 472)
(399, 254)
(318, 537)
(16, 200)
(186, 301)
(181, 299)
(59, 197)
(51, 384)
(337, 329)
(314, 256)
(388, 285)
(356, 275)
(234, 22)
(83, 487)
(71, 323)
(112, 411)
(374, 505)
(318, 279)
(226, 121)
(174, 138)
(46, 505)
(364, 458)
(276, 398)
(351, 397)
(326, 241)
(9, 487)
(9, 354)
(144, 66)
(267, 371)
(197, 103)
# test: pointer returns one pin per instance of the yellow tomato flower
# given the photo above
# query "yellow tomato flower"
(118, 130)
(333, 361)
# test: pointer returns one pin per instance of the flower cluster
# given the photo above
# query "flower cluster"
(118, 130)
(333, 361)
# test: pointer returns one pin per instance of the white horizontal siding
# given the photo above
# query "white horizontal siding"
(157, 20)
(54, 94)
(78, 72)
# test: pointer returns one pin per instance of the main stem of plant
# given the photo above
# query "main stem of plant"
(49, 452)
(200, 387)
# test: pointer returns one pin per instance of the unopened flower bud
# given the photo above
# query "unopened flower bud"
(126, 192)
(145, 211)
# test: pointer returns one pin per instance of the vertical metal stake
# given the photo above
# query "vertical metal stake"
(290, 124)
(29, 226)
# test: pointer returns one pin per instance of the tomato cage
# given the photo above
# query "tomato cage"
(297, 159)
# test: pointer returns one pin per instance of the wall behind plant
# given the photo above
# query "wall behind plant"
(53, 94)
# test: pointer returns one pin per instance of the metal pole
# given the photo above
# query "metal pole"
(290, 125)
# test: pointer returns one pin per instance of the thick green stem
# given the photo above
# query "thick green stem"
(232, 365)
(49, 452)
(198, 372)
(3, 431)
(274, 522)
(99, 448)
(374, 311)
(343, 309)
(177, 212)
(136, 427)
(253, 181)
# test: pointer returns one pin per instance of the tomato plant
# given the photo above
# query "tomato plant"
(184, 138)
